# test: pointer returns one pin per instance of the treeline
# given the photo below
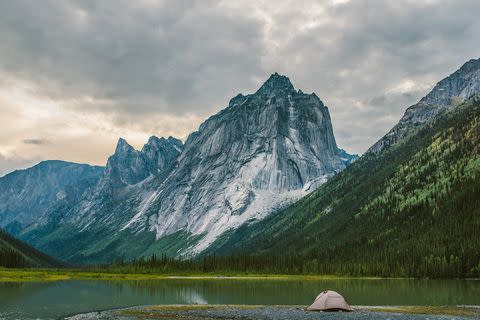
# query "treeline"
(246, 264)
(11, 259)
(331, 262)
(15, 253)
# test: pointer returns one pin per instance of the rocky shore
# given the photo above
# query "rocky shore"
(224, 312)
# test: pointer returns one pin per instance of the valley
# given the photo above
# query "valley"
(253, 160)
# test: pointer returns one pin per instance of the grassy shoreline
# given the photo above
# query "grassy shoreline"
(19, 275)
(24, 275)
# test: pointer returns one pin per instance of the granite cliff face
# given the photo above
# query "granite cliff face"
(262, 152)
(448, 93)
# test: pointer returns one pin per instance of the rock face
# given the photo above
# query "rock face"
(128, 166)
(448, 93)
(26, 196)
(129, 174)
(260, 153)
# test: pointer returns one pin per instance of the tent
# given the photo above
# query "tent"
(329, 301)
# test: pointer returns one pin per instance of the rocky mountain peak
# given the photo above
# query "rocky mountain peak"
(264, 151)
(237, 100)
(175, 142)
(448, 93)
(276, 84)
(128, 166)
(471, 65)
(160, 153)
(154, 140)
(162, 143)
(123, 146)
(155, 143)
(461, 84)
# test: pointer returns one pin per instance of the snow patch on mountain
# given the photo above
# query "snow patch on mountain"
(264, 202)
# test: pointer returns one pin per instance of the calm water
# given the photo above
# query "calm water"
(62, 298)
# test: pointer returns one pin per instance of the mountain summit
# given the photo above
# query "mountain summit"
(128, 166)
(275, 84)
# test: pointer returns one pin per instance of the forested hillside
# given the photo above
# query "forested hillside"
(17, 254)
(411, 210)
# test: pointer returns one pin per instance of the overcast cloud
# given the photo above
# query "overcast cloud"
(76, 75)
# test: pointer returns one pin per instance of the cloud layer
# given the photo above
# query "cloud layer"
(76, 75)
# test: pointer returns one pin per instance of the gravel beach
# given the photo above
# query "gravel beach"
(211, 312)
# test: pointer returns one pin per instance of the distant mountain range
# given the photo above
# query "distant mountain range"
(258, 155)
(28, 196)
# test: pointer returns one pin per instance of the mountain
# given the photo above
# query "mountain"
(26, 196)
(446, 94)
(264, 150)
(128, 166)
(126, 172)
(18, 254)
(259, 154)
(411, 209)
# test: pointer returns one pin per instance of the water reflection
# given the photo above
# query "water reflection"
(56, 299)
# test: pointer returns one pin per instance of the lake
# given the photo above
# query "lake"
(56, 299)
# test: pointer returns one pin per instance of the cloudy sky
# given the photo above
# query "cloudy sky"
(76, 75)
